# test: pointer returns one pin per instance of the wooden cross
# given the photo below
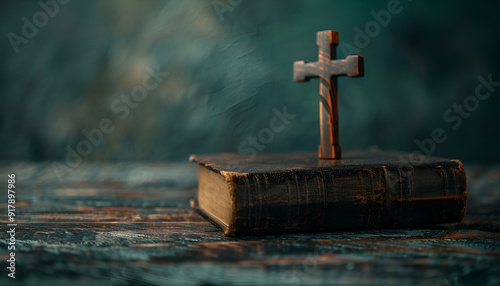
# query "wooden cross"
(327, 69)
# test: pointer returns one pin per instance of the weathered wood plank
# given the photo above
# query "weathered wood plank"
(130, 224)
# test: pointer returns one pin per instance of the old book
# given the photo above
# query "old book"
(272, 194)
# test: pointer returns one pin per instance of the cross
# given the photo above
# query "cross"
(327, 69)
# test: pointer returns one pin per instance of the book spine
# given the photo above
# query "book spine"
(336, 199)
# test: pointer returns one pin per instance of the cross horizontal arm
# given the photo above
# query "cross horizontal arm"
(352, 66)
(303, 71)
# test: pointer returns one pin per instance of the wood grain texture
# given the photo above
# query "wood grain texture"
(131, 224)
(327, 69)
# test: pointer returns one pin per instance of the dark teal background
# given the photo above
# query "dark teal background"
(227, 74)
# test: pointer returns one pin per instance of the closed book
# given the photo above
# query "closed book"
(289, 193)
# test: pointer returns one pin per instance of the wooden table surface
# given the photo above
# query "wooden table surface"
(131, 224)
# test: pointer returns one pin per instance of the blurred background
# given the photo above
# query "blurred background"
(222, 67)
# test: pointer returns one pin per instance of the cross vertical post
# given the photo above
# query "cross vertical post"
(327, 68)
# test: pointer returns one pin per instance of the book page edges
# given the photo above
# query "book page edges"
(228, 229)
(231, 178)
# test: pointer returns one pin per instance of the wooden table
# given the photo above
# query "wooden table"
(131, 224)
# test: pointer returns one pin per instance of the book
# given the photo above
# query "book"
(289, 193)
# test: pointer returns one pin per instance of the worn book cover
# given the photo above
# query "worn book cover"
(298, 192)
